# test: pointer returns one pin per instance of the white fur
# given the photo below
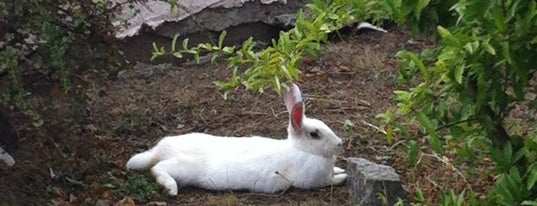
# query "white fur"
(252, 163)
(365, 25)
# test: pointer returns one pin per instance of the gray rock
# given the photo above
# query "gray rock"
(215, 15)
(200, 21)
(367, 180)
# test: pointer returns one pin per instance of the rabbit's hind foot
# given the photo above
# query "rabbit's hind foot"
(164, 179)
(338, 170)
(338, 178)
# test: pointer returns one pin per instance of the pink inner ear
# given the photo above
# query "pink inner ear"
(296, 117)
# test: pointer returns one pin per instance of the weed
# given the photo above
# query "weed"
(139, 187)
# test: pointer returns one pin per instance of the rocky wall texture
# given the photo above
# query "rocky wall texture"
(202, 21)
(194, 16)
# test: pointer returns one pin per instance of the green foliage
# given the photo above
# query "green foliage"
(469, 85)
(9, 58)
(41, 37)
(52, 25)
(58, 41)
(517, 181)
(215, 51)
(279, 63)
(452, 199)
(413, 150)
(139, 187)
(419, 15)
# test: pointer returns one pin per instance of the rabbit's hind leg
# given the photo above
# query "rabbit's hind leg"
(160, 171)
(338, 178)
(338, 170)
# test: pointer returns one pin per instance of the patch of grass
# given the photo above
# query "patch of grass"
(140, 187)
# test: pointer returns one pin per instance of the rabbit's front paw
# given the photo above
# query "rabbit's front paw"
(338, 178)
(168, 183)
(172, 191)
(338, 170)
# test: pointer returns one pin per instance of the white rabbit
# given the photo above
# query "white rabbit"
(305, 159)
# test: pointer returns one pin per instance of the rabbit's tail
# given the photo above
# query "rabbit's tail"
(142, 160)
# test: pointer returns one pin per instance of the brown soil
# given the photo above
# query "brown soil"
(79, 155)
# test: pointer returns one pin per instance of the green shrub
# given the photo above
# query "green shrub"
(469, 85)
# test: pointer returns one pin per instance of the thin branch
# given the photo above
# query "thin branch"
(455, 123)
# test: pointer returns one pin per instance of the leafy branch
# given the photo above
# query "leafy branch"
(278, 63)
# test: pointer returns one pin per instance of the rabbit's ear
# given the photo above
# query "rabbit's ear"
(295, 107)
(292, 97)
(296, 116)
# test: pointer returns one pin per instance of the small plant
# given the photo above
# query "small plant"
(139, 187)
(348, 125)
(215, 51)
(452, 199)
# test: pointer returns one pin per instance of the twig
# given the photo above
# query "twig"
(284, 177)
(374, 127)
(279, 194)
(447, 162)
(455, 123)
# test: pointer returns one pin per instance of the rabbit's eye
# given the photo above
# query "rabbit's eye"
(314, 134)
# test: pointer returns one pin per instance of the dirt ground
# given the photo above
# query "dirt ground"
(78, 157)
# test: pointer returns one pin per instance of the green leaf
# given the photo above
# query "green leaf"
(529, 203)
(417, 61)
(420, 197)
(534, 40)
(157, 52)
(178, 55)
(213, 58)
(435, 143)
(488, 48)
(532, 176)
(497, 14)
(389, 133)
(471, 47)
(221, 39)
(459, 71)
(277, 84)
(433, 137)
(228, 50)
(506, 52)
(197, 58)
(325, 28)
(448, 37)
(185, 44)
(419, 7)
(174, 42)
(413, 149)
(508, 154)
